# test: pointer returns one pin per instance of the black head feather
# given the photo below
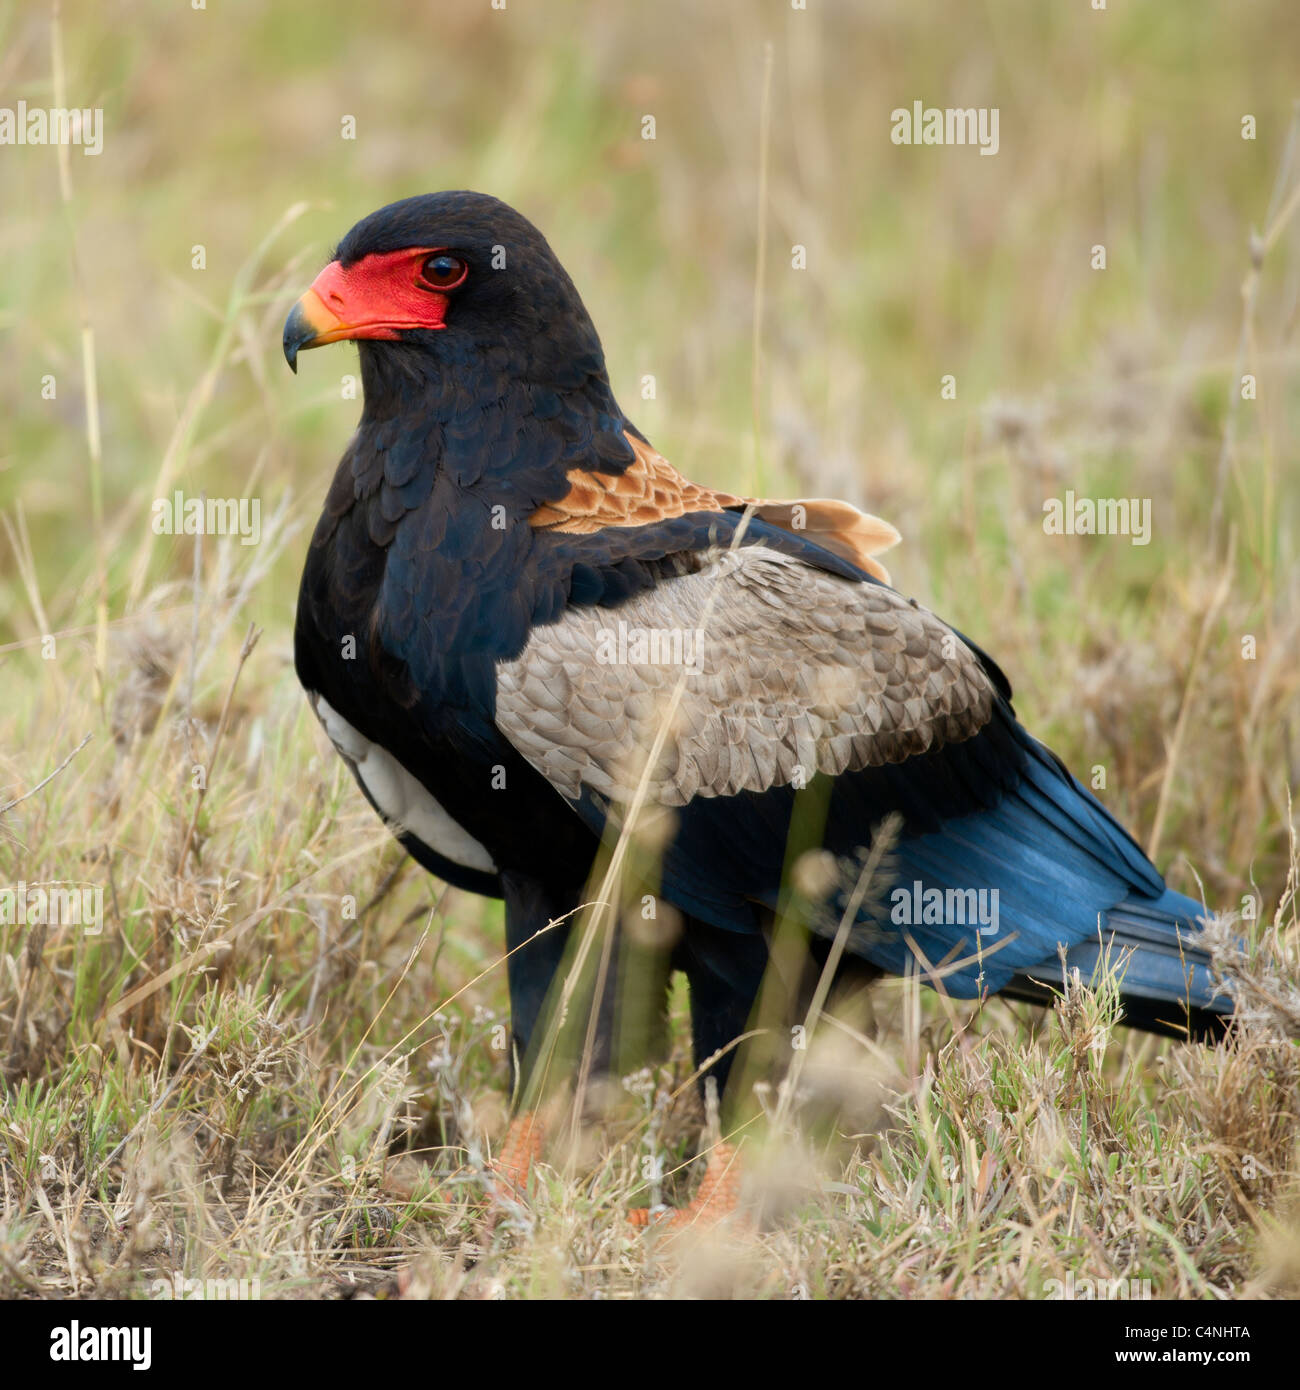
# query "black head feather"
(518, 312)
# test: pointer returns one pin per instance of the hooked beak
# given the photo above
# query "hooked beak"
(340, 304)
(309, 325)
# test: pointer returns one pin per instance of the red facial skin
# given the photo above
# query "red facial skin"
(377, 297)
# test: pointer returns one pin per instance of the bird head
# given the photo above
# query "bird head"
(440, 281)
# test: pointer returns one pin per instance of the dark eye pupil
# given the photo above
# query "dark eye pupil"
(443, 270)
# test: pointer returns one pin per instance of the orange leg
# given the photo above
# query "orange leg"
(718, 1195)
(521, 1148)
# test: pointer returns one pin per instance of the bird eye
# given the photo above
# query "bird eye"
(443, 271)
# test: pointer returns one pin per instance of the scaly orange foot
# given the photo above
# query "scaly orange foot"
(521, 1148)
(718, 1195)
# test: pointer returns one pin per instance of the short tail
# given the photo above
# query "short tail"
(1166, 984)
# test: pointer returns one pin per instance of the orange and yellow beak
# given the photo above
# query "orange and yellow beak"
(322, 316)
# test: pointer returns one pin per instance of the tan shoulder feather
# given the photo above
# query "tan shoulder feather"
(653, 490)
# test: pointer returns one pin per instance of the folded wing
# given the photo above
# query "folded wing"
(749, 670)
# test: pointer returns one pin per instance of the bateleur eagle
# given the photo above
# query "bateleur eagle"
(516, 616)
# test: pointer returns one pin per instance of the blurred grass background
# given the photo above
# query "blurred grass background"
(1120, 127)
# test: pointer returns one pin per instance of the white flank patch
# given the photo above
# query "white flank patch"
(402, 799)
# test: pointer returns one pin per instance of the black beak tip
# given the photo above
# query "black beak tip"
(297, 331)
